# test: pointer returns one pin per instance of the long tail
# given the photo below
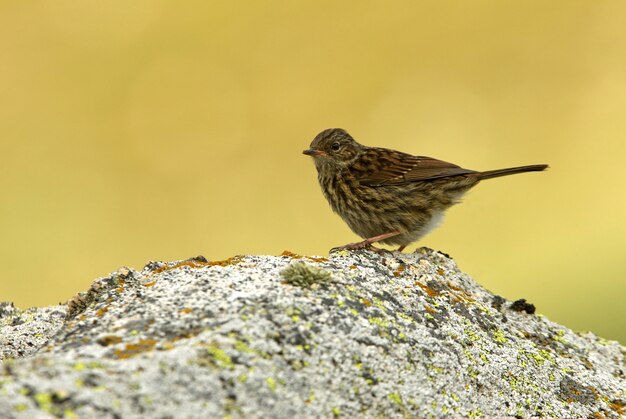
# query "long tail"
(511, 171)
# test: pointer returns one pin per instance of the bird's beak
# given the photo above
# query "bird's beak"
(313, 153)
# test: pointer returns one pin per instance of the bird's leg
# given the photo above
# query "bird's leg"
(401, 248)
(366, 244)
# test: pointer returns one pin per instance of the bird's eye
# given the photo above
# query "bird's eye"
(335, 146)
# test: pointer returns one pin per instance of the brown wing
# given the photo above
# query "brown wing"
(389, 167)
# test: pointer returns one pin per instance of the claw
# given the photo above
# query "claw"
(364, 245)
(367, 244)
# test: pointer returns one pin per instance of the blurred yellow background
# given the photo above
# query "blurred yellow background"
(150, 130)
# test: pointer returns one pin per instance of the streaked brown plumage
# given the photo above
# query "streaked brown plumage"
(388, 196)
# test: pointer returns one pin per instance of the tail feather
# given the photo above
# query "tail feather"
(511, 171)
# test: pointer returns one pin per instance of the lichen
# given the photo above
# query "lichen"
(395, 398)
(220, 357)
(305, 276)
(498, 336)
(271, 383)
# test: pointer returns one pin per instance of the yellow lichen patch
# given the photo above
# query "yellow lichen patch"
(134, 349)
(149, 284)
(185, 310)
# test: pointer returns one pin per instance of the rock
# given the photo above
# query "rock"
(353, 335)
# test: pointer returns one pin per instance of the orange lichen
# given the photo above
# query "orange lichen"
(109, 340)
(399, 271)
(198, 264)
(149, 284)
(618, 406)
(461, 294)
(134, 349)
(185, 310)
(428, 290)
(293, 255)
(101, 311)
(290, 254)
(429, 309)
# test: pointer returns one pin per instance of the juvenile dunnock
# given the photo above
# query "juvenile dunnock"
(388, 196)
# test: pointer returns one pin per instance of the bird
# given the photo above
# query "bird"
(387, 196)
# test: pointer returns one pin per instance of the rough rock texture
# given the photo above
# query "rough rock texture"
(354, 335)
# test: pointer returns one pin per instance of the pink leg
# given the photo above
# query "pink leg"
(365, 244)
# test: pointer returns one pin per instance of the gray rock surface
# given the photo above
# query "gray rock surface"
(353, 335)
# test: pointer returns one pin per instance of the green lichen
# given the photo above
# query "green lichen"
(20, 407)
(542, 356)
(335, 411)
(242, 347)
(559, 337)
(69, 414)
(471, 335)
(271, 383)
(498, 336)
(405, 316)
(44, 401)
(378, 303)
(379, 321)
(395, 398)
(80, 366)
(472, 372)
(311, 397)
(474, 413)
(305, 276)
(220, 357)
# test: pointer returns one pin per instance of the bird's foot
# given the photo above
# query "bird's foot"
(364, 245)
(367, 244)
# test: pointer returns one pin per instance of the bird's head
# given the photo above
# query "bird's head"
(333, 147)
